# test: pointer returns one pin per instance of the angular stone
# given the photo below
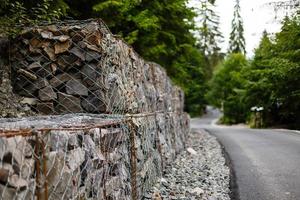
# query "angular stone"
(68, 104)
(75, 87)
(53, 68)
(95, 102)
(110, 138)
(60, 80)
(61, 38)
(91, 55)
(80, 53)
(27, 168)
(95, 38)
(90, 73)
(45, 71)
(62, 181)
(29, 101)
(67, 61)
(47, 94)
(93, 48)
(34, 65)
(41, 83)
(28, 74)
(191, 151)
(77, 36)
(59, 141)
(46, 108)
(17, 182)
(61, 47)
(28, 88)
(50, 52)
(46, 34)
(75, 158)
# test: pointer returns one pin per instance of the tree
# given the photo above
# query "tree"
(161, 31)
(226, 87)
(236, 39)
(24, 12)
(272, 79)
(209, 34)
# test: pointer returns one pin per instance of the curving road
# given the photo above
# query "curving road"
(266, 162)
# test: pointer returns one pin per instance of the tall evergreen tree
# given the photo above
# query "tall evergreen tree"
(209, 33)
(236, 39)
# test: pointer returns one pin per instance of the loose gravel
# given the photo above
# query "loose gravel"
(199, 172)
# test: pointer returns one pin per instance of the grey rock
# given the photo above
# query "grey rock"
(17, 182)
(75, 87)
(60, 80)
(66, 62)
(92, 55)
(68, 104)
(80, 53)
(47, 94)
(34, 65)
(95, 102)
(46, 108)
(90, 73)
(29, 101)
(75, 158)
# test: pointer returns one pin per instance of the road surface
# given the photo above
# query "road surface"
(266, 162)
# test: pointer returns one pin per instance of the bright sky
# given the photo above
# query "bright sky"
(256, 15)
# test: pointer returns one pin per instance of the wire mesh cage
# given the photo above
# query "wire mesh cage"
(100, 122)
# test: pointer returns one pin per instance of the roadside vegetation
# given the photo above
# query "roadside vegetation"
(270, 81)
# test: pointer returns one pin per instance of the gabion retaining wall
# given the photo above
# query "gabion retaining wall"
(113, 121)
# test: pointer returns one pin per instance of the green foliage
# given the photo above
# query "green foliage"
(161, 32)
(209, 35)
(236, 39)
(16, 13)
(271, 80)
(226, 89)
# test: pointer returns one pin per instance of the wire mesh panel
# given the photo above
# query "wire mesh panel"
(89, 160)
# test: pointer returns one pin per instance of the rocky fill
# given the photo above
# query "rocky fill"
(199, 172)
(78, 66)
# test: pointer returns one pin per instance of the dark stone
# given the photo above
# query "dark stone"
(60, 80)
(27, 88)
(80, 53)
(40, 83)
(45, 71)
(77, 36)
(95, 102)
(46, 108)
(20, 82)
(68, 103)
(34, 66)
(92, 55)
(89, 74)
(67, 61)
(75, 87)
(47, 94)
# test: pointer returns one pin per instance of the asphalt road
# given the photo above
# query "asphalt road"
(266, 162)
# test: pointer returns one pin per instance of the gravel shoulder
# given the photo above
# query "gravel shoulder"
(199, 172)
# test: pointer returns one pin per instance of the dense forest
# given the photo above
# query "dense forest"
(269, 83)
(165, 31)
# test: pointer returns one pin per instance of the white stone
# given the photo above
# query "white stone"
(191, 151)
